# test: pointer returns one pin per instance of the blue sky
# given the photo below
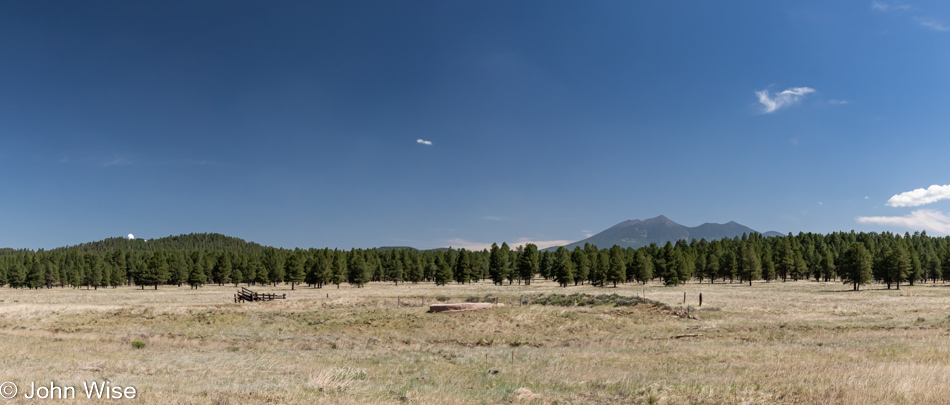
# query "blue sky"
(298, 124)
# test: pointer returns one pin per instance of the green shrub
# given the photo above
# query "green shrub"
(587, 300)
(138, 344)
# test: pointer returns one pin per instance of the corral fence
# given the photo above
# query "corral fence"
(246, 295)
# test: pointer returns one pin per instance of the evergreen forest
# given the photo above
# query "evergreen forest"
(195, 260)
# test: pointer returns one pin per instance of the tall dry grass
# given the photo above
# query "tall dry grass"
(801, 342)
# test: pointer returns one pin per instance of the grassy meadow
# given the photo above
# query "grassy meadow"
(791, 343)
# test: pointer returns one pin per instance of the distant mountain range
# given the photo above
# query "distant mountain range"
(636, 233)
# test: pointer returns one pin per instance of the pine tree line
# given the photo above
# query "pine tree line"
(852, 258)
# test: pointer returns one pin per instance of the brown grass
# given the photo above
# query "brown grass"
(801, 342)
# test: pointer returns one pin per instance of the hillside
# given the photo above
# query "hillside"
(203, 241)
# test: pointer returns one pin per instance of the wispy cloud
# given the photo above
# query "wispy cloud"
(423, 141)
(930, 220)
(93, 160)
(838, 102)
(920, 196)
(772, 103)
(924, 21)
(587, 233)
(933, 24)
(882, 6)
(116, 161)
(458, 243)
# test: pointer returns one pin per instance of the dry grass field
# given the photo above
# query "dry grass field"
(789, 343)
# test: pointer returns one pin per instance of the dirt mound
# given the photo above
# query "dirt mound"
(462, 306)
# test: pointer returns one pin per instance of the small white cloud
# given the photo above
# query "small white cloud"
(131, 236)
(838, 102)
(920, 196)
(929, 220)
(459, 243)
(933, 24)
(587, 233)
(115, 161)
(882, 6)
(772, 103)
(819, 203)
(423, 141)
(866, 197)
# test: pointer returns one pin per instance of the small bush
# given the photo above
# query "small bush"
(234, 348)
(138, 344)
(442, 298)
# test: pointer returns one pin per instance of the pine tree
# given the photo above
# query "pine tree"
(729, 266)
(35, 278)
(443, 270)
(581, 265)
(273, 262)
(617, 268)
(16, 275)
(934, 268)
(712, 267)
(156, 270)
(528, 263)
(178, 268)
(898, 265)
(119, 268)
(827, 265)
(497, 264)
(412, 264)
(564, 266)
(254, 266)
(785, 263)
(768, 269)
(856, 266)
(644, 267)
(196, 276)
(463, 267)
(295, 273)
(546, 264)
(356, 269)
(398, 272)
(751, 264)
(221, 272)
(93, 271)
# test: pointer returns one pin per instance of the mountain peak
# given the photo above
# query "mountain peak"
(636, 233)
(629, 222)
(661, 219)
